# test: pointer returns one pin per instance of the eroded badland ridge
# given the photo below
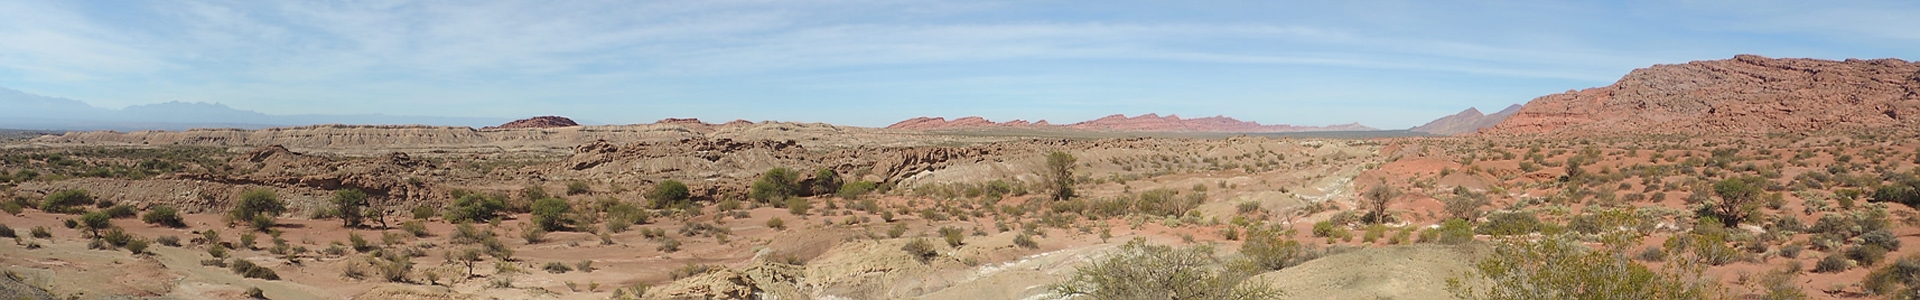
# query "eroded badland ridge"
(1737, 178)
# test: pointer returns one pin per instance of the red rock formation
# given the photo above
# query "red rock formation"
(1746, 94)
(536, 122)
(1468, 121)
(1143, 123)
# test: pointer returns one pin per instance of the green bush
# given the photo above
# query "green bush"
(1509, 223)
(348, 203)
(776, 184)
(1455, 231)
(415, 227)
(423, 212)
(246, 268)
(1025, 241)
(1270, 251)
(258, 206)
(1142, 271)
(121, 211)
(1833, 263)
(64, 201)
(854, 189)
(798, 206)
(165, 216)
(578, 187)
(95, 221)
(472, 208)
(41, 232)
(1059, 175)
(556, 267)
(669, 193)
(1867, 255)
(954, 236)
(776, 223)
(550, 213)
(137, 246)
(1561, 267)
(1900, 279)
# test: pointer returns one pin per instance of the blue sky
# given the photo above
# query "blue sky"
(1387, 64)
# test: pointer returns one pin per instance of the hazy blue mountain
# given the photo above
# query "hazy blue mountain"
(20, 110)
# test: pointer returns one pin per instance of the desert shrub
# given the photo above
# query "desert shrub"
(1324, 228)
(953, 236)
(920, 249)
(668, 193)
(1881, 237)
(825, 181)
(1833, 263)
(1900, 279)
(1465, 204)
(1560, 267)
(254, 292)
(247, 240)
(775, 185)
(897, 230)
(360, 244)
(550, 213)
(164, 216)
(64, 201)
(12, 208)
(669, 245)
(1509, 223)
(626, 214)
(423, 212)
(348, 204)
(474, 208)
(1025, 241)
(1455, 232)
(41, 232)
(1739, 198)
(7, 232)
(584, 266)
(95, 221)
(415, 227)
(121, 211)
(169, 241)
(556, 267)
(1373, 233)
(246, 268)
(1270, 251)
(116, 237)
(1059, 175)
(1867, 255)
(468, 234)
(578, 187)
(798, 206)
(1791, 251)
(137, 246)
(1142, 271)
(533, 234)
(776, 223)
(690, 270)
(1906, 191)
(1652, 254)
(258, 206)
(855, 189)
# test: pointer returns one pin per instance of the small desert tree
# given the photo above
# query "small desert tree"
(1059, 174)
(258, 206)
(1465, 204)
(668, 193)
(1142, 271)
(349, 203)
(775, 186)
(1739, 198)
(1376, 200)
(95, 221)
(550, 213)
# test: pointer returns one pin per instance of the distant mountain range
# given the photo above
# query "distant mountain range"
(1468, 121)
(1142, 123)
(29, 111)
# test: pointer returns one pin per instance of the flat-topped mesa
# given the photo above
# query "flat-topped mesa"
(536, 122)
(1150, 122)
(1745, 94)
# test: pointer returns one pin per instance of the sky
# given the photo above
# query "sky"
(1386, 64)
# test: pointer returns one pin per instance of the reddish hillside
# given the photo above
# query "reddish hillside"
(1142, 123)
(536, 122)
(1746, 94)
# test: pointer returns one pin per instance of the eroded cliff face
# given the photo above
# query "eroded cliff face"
(1745, 94)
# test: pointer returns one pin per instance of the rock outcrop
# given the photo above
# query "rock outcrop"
(538, 122)
(1142, 123)
(1468, 121)
(1745, 94)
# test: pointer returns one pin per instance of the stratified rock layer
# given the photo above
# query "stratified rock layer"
(1746, 94)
